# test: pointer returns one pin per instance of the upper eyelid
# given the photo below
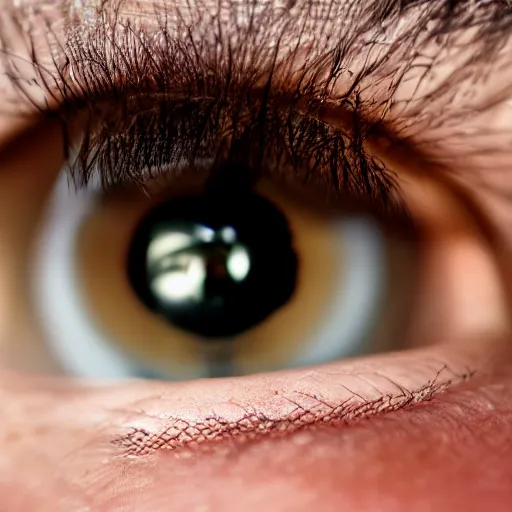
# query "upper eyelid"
(418, 121)
(333, 56)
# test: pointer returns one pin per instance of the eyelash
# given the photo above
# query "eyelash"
(171, 110)
(172, 135)
(143, 105)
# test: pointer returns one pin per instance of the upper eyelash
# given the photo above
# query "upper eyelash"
(129, 142)
(175, 133)
(121, 61)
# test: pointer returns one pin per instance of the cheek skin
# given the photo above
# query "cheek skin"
(452, 454)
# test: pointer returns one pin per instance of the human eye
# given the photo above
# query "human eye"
(265, 194)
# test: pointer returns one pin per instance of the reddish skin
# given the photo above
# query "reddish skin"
(452, 453)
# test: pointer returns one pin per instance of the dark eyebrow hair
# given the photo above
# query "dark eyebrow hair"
(350, 55)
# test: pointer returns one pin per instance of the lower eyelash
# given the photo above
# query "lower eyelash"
(309, 411)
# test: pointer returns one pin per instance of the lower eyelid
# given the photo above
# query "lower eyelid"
(178, 416)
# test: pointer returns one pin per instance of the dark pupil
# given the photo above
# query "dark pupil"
(214, 265)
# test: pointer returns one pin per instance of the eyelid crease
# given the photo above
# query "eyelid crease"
(307, 411)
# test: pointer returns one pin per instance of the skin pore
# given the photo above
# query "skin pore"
(428, 428)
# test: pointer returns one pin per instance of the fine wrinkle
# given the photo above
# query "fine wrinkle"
(309, 410)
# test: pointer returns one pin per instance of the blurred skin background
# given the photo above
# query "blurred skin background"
(418, 419)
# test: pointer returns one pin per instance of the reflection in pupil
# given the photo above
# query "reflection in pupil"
(214, 265)
(196, 272)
